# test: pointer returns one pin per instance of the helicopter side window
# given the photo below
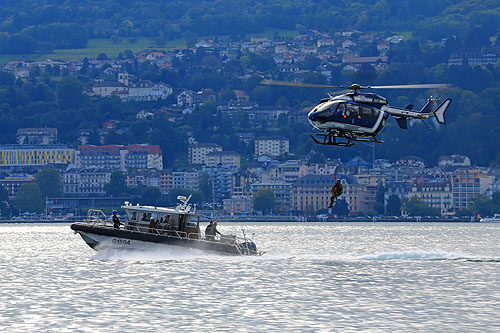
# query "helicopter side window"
(368, 116)
(340, 112)
(352, 111)
(346, 113)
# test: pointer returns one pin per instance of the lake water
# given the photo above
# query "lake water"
(314, 277)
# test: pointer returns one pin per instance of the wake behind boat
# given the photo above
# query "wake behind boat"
(147, 227)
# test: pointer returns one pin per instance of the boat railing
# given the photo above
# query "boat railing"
(97, 217)
(240, 242)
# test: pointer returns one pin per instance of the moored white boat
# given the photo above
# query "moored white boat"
(495, 218)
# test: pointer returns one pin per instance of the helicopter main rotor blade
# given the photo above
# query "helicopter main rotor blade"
(411, 86)
(299, 84)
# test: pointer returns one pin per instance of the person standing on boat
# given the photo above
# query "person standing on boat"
(208, 231)
(215, 231)
(170, 230)
(116, 220)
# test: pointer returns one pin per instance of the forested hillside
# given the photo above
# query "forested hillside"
(433, 30)
(28, 26)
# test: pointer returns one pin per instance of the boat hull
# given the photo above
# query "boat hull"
(490, 220)
(99, 237)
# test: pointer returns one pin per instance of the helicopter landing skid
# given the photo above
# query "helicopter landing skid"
(330, 139)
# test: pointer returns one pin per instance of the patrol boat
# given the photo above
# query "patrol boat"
(138, 233)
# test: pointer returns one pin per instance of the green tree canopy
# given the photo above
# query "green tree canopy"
(394, 205)
(495, 203)
(49, 181)
(263, 200)
(4, 201)
(206, 186)
(341, 207)
(29, 198)
(380, 200)
(415, 206)
(117, 185)
(151, 196)
(69, 93)
(482, 205)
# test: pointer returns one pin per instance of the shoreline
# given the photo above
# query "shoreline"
(381, 220)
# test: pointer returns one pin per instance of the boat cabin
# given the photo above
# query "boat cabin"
(183, 220)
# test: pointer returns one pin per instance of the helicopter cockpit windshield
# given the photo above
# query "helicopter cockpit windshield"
(323, 113)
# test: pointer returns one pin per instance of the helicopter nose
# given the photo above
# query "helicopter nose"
(315, 118)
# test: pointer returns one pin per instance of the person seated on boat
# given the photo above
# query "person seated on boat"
(152, 226)
(145, 217)
(164, 223)
(116, 220)
(208, 231)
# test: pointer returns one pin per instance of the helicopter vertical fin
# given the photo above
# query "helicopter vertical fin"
(403, 124)
(440, 111)
(428, 106)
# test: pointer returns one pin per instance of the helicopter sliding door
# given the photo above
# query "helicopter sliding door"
(352, 114)
(368, 116)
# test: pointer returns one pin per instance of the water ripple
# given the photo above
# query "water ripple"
(314, 277)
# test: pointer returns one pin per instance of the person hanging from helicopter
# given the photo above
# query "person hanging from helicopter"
(335, 191)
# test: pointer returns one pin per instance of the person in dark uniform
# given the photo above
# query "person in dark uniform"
(335, 192)
(152, 226)
(208, 231)
(214, 230)
(116, 220)
(169, 229)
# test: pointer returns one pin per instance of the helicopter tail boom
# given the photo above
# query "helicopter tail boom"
(422, 114)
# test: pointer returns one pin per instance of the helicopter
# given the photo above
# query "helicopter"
(353, 116)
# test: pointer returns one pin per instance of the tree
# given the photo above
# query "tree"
(379, 200)
(495, 202)
(415, 206)
(102, 56)
(116, 185)
(206, 186)
(263, 200)
(151, 196)
(482, 205)
(341, 207)
(69, 93)
(394, 205)
(29, 198)
(49, 182)
(4, 201)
